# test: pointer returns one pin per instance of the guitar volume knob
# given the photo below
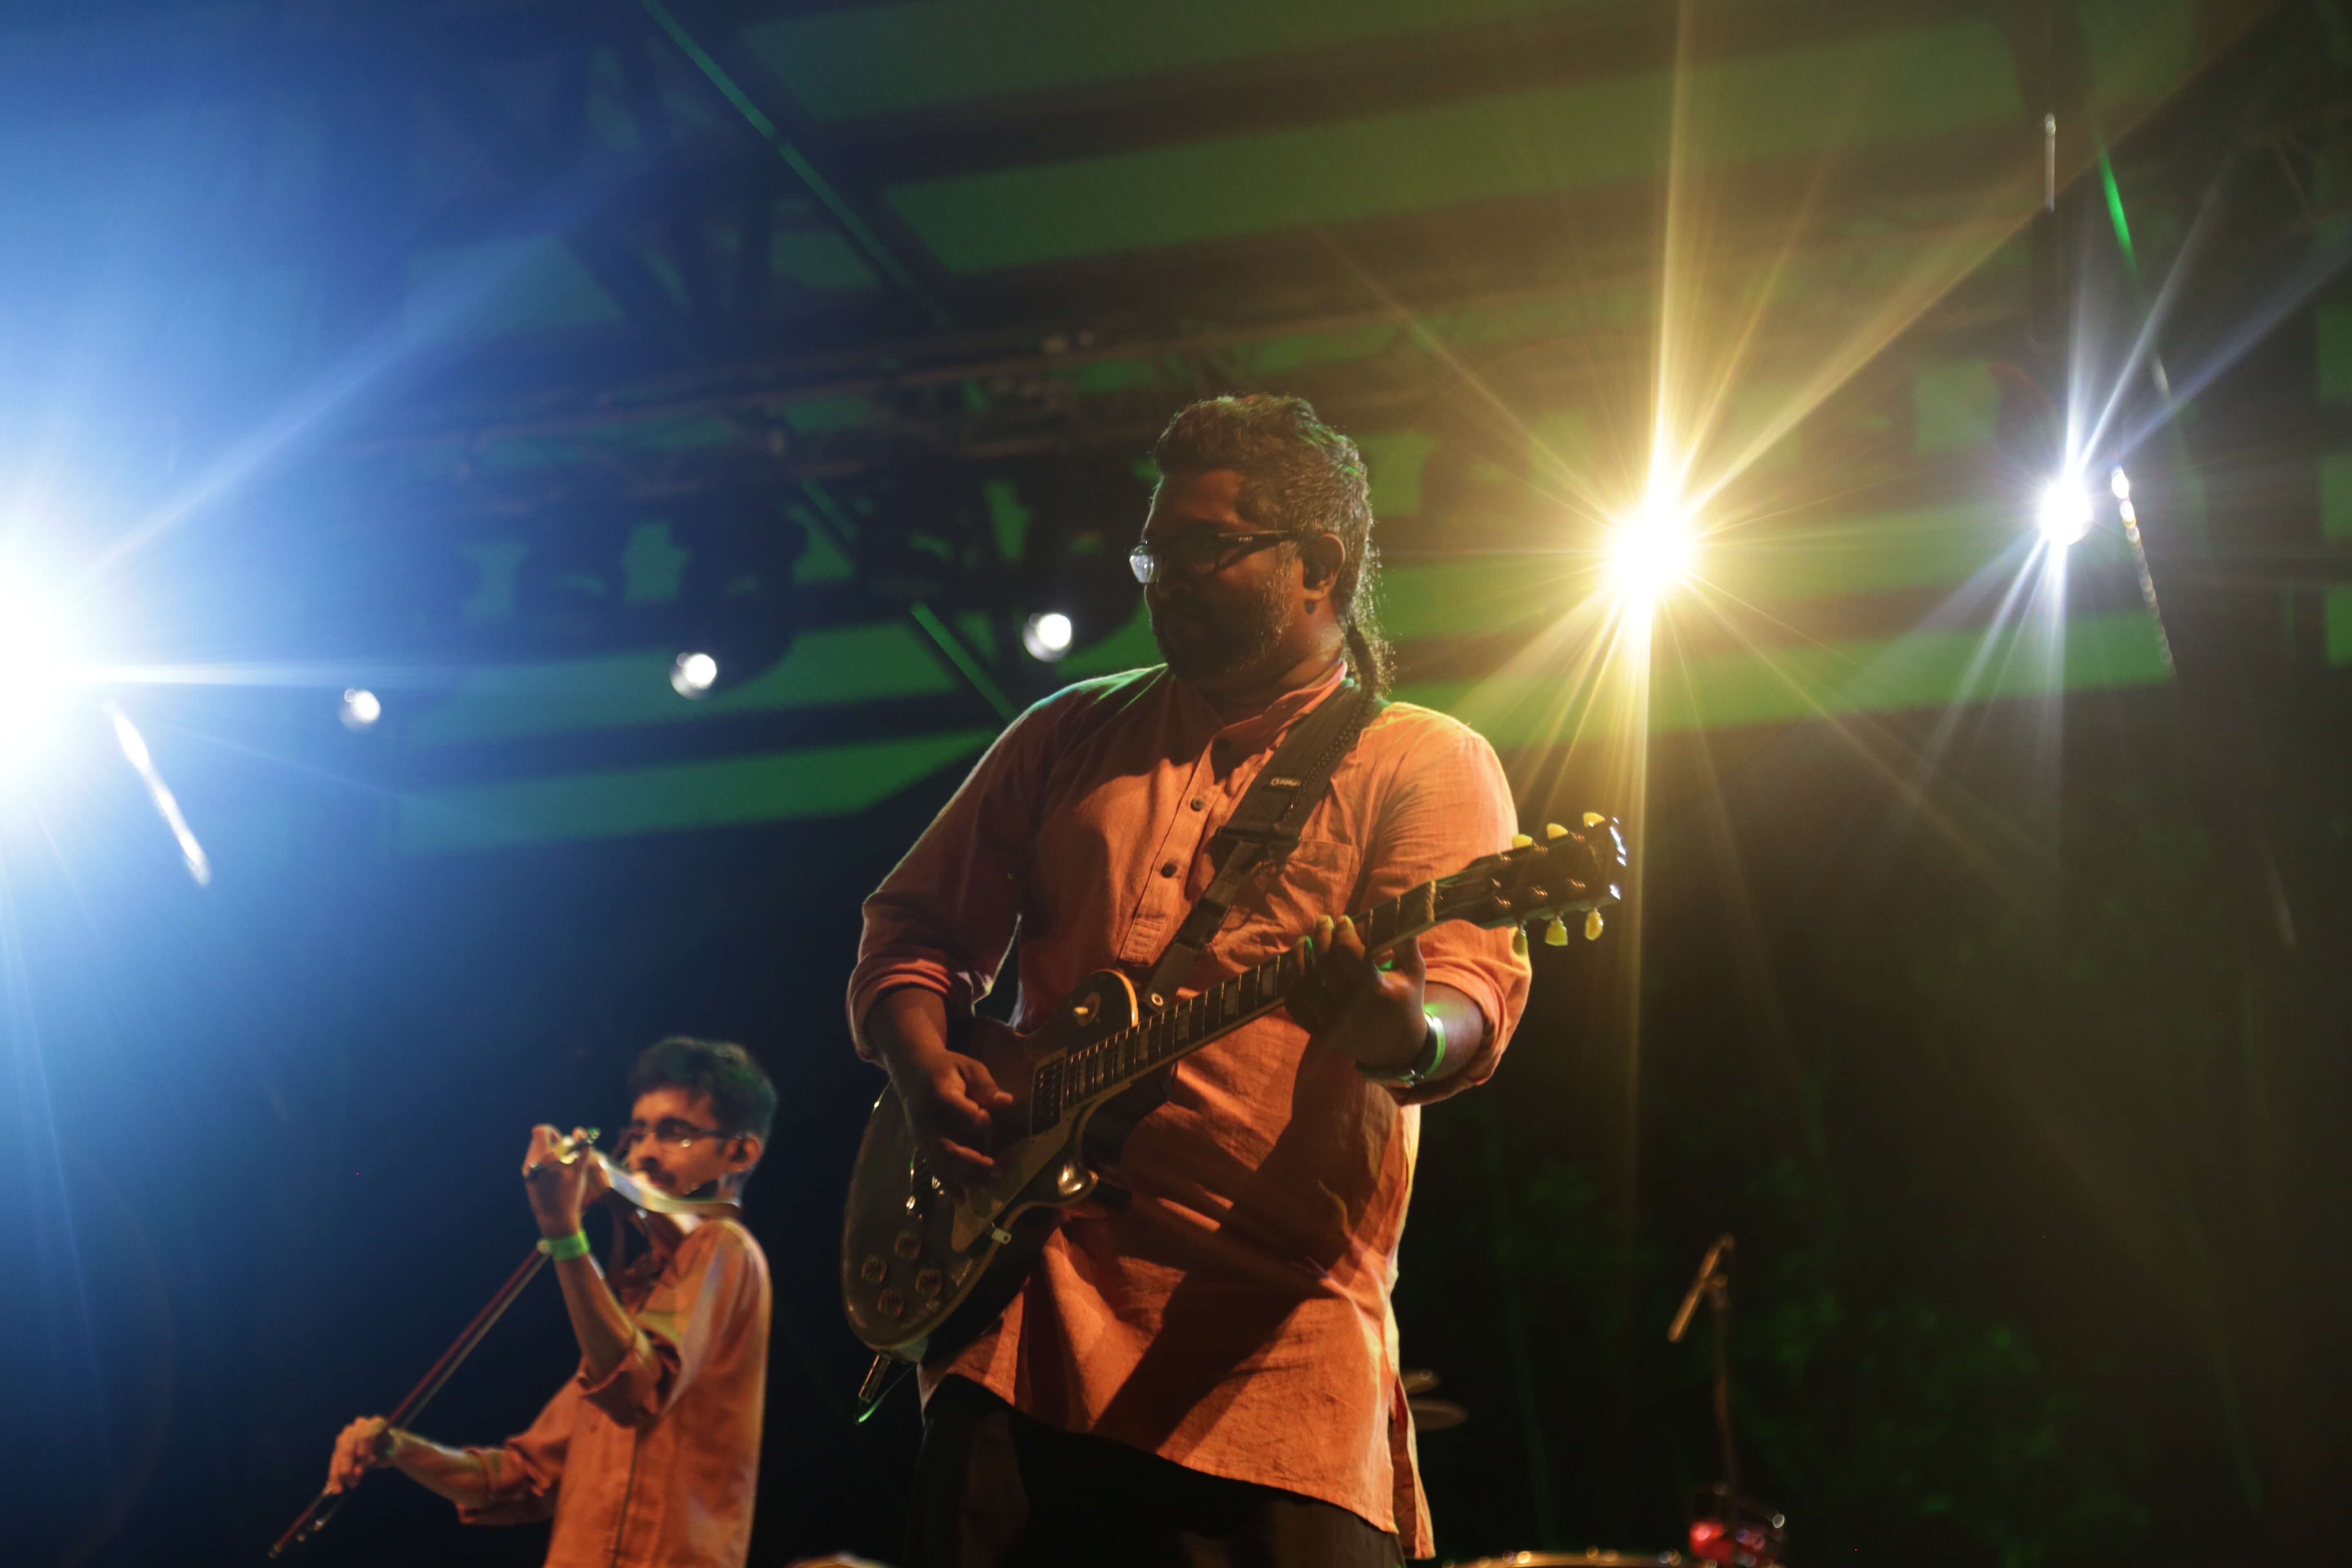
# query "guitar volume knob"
(873, 1269)
(909, 1245)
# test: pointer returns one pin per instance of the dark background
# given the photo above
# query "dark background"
(2008, 1037)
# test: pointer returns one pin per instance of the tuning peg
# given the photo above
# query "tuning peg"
(1521, 841)
(1519, 942)
(1592, 925)
(1554, 830)
(1556, 934)
(1593, 819)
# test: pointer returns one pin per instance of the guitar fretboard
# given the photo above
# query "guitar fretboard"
(1187, 1024)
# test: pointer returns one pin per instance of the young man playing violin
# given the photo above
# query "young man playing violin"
(1209, 1374)
(649, 1456)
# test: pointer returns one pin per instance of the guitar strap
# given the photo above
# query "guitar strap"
(1265, 825)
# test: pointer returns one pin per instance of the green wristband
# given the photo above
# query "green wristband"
(561, 1247)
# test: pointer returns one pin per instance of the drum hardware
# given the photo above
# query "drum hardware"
(1736, 1531)
(1429, 1415)
(1592, 1557)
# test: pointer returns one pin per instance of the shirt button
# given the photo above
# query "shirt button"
(1199, 805)
(1169, 869)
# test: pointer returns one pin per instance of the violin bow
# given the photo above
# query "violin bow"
(323, 1506)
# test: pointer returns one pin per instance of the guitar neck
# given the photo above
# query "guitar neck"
(1189, 1023)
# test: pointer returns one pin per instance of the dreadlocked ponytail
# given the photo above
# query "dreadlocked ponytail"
(1297, 473)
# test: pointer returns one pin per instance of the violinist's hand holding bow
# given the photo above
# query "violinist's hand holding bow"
(372, 1442)
(561, 1188)
(365, 1445)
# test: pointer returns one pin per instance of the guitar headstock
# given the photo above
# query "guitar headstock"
(1567, 871)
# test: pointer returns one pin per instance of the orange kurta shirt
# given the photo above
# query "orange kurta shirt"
(1235, 1318)
(656, 1464)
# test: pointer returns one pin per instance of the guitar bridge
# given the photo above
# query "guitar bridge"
(921, 1187)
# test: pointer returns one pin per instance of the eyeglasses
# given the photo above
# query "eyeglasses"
(674, 1130)
(1199, 553)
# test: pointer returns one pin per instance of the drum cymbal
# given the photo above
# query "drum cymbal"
(1418, 1381)
(1436, 1415)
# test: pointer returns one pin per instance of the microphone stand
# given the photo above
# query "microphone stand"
(1714, 1282)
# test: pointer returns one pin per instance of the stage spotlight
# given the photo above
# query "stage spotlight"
(38, 673)
(2064, 514)
(693, 674)
(1651, 551)
(1047, 636)
(359, 708)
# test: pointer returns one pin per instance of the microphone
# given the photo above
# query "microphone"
(1711, 1275)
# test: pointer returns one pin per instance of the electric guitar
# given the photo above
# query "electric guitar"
(919, 1264)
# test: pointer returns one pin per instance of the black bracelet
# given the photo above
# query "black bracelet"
(1422, 1068)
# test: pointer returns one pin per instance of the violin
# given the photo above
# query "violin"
(662, 1220)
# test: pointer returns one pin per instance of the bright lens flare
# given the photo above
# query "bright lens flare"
(693, 674)
(1047, 636)
(359, 708)
(167, 806)
(1650, 552)
(2064, 514)
(39, 671)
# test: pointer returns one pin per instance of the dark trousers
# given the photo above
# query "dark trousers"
(994, 1489)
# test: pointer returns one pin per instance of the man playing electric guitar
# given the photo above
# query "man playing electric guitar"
(649, 1457)
(1208, 1372)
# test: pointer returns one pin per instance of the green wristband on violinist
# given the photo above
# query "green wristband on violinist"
(562, 1247)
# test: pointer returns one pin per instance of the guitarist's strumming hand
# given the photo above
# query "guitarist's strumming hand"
(947, 1096)
(1351, 1005)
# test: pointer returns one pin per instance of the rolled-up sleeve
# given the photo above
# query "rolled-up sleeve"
(719, 1282)
(944, 917)
(1451, 803)
(525, 1474)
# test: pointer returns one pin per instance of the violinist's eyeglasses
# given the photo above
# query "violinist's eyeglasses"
(1201, 553)
(673, 1130)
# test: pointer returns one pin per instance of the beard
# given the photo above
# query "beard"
(1209, 640)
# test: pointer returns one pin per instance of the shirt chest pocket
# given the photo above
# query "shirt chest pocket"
(1077, 834)
(1319, 878)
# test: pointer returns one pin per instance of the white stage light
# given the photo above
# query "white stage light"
(2119, 483)
(2064, 514)
(693, 674)
(1047, 636)
(1651, 551)
(359, 708)
(39, 673)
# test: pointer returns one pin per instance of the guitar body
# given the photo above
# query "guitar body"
(922, 1272)
(912, 1258)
